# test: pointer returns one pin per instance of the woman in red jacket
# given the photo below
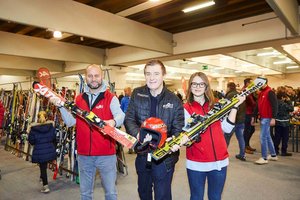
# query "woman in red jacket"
(207, 159)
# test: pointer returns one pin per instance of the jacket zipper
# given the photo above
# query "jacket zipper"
(212, 142)
(90, 153)
(211, 137)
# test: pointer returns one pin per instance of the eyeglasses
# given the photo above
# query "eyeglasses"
(200, 85)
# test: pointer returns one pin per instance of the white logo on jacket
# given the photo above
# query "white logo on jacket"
(99, 107)
(142, 95)
(168, 105)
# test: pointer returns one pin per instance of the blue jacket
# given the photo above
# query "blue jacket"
(42, 136)
(124, 103)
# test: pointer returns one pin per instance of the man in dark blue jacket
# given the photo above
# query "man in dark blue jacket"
(154, 100)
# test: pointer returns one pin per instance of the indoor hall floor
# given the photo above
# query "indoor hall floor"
(277, 180)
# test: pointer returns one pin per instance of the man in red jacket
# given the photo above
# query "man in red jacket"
(96, 150)
(267, 108)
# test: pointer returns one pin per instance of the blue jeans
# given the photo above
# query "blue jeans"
(87, 171)
(159, 176)
(215, 179)
(239, 133)
(265, 138)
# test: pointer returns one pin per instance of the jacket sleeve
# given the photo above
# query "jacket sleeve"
(131, 124)
(116, 111)
(178, 121)
(289, 106)
(67, 117)
(274, 103)
(31, 138)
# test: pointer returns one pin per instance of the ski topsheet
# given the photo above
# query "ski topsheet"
(197, 124)
(118, 135)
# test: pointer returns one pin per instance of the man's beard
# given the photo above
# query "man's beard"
(94, 87)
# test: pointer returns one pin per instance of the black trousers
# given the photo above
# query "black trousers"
(249, 130)
(43, 170)
(281, 135)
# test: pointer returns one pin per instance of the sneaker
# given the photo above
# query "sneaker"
(248, 151)
(272, 158)
(261, 161)
(45, 189)
(286, 154)
(242, 158)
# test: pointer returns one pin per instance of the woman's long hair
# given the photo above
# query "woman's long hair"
(208, 91)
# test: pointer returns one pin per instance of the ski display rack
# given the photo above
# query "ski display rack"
(21, 109)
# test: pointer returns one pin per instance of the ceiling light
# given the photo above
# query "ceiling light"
(226, 58)
(272, 53)
(292, 67)
(249, 65)
(282, 62)
(191, 62)
(57, 34)
(218, 68)
(154, 0)
(199, 6)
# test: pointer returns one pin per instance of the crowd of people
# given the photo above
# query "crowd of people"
(206, 160)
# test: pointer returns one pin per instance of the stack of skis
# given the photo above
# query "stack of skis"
(21, 109)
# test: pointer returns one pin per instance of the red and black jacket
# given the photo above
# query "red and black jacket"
(212, 146)
(90, 141)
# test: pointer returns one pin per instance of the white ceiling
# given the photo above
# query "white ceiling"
(226, 50)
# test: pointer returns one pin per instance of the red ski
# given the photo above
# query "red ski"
(118, 135)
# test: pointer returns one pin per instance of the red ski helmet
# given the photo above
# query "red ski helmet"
(157, 129)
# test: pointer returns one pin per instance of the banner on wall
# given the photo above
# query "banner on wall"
(44, 76)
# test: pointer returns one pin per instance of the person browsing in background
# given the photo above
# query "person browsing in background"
(207, 160)
(239, 122)
(282, 122)
(2, 110)
(249, 128)
(125, 100)
(95, 149)
(42, 135)
(154, 100)
(267, 106)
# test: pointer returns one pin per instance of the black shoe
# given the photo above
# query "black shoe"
(250, 148)
(286, 154)
(242, 158)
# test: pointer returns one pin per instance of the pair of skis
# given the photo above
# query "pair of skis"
(198, 124)
(118, 135)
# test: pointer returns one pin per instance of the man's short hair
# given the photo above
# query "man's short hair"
(247, 80)
(231, 86)
(156, 62)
